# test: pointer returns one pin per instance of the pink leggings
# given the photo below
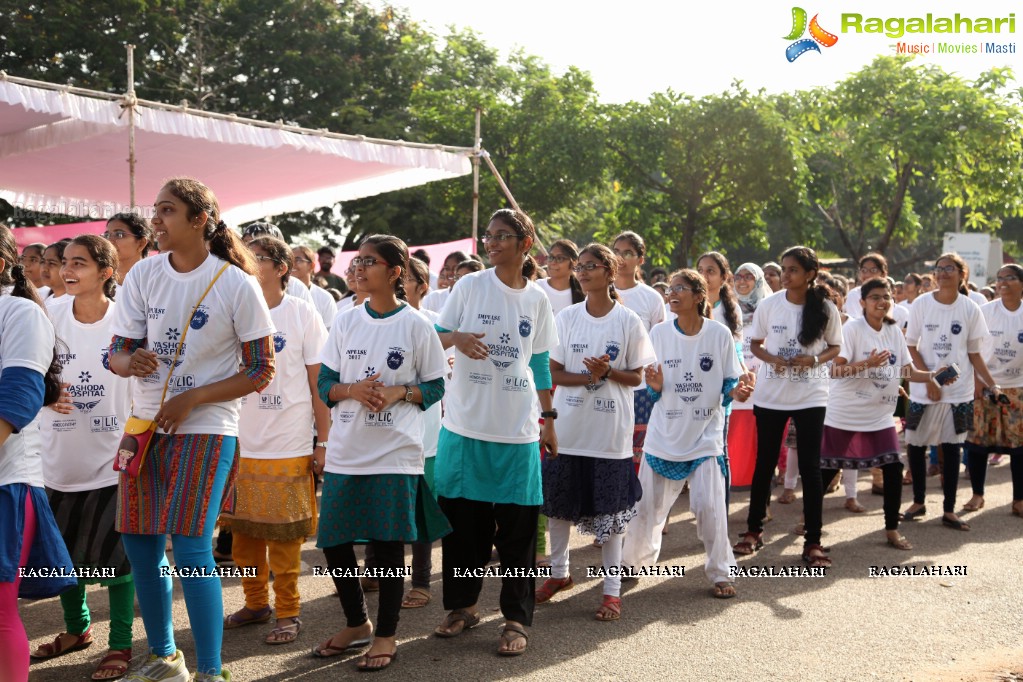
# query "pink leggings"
(13, 640)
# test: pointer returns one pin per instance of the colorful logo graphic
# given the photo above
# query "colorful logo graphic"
(817, 36)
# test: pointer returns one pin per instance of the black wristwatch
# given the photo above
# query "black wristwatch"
(553, 414)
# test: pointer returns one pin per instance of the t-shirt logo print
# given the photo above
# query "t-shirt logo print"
(200, 318)
(395, 357)
(279, 342)
(1019, 337)
(706, 362)
(503, 354)
(525, 326)
(369, 371)
(956, 327)
(612, 349)
(105, 358)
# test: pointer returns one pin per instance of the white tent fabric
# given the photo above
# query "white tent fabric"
(65, 150)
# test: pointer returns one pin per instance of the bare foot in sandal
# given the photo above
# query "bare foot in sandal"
(724, 590)
(458, 621)
(347, 639)
(286, 631)
(380, 655)
(610, 609)
(897, 540)
(514, 639)
(417, 598)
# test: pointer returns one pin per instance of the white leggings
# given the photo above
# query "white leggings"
(792, 473)
(611, 555)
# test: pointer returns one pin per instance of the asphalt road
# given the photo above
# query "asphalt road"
(845, 626)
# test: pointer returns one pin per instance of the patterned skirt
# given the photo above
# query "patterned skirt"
(86, 520)
(275, 500)
(998, 427)
(598, 495)
(172, 492)
(841, 449)
(383, 507)
(643, 406)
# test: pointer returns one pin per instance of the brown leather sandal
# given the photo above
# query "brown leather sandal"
(748, 544)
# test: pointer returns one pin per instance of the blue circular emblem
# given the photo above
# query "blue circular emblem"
(279, 342)
(199, 319)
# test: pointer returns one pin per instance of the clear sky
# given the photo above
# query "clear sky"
(635, 47)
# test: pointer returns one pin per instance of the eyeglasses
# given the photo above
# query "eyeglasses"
(870, 271)
(947, 269)
(678, 289)
(116, 234)
(625, 254)
(1007, 279)
(879, 299)
(367, 262)
(500, 238)
(265, 259)
(587, 267)
(300, 259)
(746, 277)
(558, 259)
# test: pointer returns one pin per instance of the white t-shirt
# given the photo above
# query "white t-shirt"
(852, 306)
(978, 298)
(26, 340)
(344, 305)
(597, 421)
(432, 416)
(559, 299)
(688, 421)
(299, 290)
(718, 314)
(645, 302)
(155, 303)
(752, 364)
(435, 300)
(1003, 349)
(866, 402)
(325, 305)
(78, 448)
(434, 280)
(43, 292)
(777, 322)
(494, 399)
(944, 334)
(51, 301)
(274, 424)
(405, 350)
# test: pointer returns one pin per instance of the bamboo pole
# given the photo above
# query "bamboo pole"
(476, 142)
(129, 105)
(507, 193)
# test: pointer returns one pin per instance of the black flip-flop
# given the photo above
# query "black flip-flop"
(957, 524)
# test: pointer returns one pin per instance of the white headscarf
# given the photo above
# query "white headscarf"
(748, 303)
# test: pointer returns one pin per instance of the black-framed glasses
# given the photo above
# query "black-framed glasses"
(366, 262)
(1007, 279)
(745, 277)
(947, 269)
(678, 289)
(500, 238)
(264, 259)
(301, 259)
(870, 271)
(116, 234)
(878, 298)
(587, 267)
(625, 254)
(558, 259)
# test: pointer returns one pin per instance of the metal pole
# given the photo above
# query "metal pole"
(476, 142)
(130, 106)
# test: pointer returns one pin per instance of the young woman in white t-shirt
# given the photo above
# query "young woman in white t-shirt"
(31, 261)
(436, 299)
(49, 271)
(649, 305)
(275, 506)
(998, 425)
(187, 475)
(132, 236)
(29, 379)
(944, 327)
(382, 367)
(602, 349)
(859, 432)
(871, 265)
(80, 435)
(795, 333)
(696, 375)
(561, 285)
(488, 460)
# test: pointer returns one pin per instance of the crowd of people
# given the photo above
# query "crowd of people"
(485, 407)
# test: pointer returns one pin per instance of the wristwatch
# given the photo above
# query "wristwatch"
(606, 374)
(408, 394)
(551, 414)
(321, 444)
(816, 360)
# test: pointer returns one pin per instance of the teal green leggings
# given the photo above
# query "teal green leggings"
(122, 612)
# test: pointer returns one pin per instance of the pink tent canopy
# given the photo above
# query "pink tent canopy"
(64, 150)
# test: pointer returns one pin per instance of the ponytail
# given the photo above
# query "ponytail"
(613, 293)
(399, 287)
(23, 287)
(223, 243)
(578, 295)
(730, 305)
(815, 313)
(226, 245)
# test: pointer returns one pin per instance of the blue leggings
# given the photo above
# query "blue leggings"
(203, 595)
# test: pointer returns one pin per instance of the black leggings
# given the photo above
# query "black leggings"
(976, 461)
(952, 457)
(809, 431)
(353, 601)
(892, 473)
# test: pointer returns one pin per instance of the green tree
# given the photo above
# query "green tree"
(699, 173)
(896, 133)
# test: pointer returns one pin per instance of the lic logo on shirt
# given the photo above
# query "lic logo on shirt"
(604, 405)
(379, 419)
(270, 402)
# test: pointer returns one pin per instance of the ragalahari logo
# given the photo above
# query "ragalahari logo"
(817, 35)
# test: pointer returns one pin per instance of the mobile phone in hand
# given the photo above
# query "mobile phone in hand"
(946, 375)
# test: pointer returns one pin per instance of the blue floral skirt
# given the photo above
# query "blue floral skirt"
(598, 495)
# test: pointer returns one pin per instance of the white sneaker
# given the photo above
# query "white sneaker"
(158, 669)
(224, 676)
